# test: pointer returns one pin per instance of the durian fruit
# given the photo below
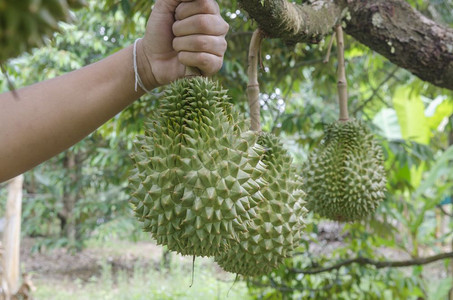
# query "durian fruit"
(198, 170)
(25, 24)
(276, 230)
(345, 178)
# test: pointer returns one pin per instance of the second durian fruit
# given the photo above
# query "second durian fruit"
(345, 178)
(276, 230)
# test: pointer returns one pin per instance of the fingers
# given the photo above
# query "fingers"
(209, 64)
(199, 35)
(201, 24)
(202, 51)
(215, 45)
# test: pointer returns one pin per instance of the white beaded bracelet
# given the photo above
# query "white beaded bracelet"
(138, 80)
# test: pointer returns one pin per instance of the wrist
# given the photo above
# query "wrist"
(144, 67)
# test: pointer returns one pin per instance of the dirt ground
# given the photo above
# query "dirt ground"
(62, 264)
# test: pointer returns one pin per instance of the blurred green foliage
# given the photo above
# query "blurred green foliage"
(411, 118)
(26, 24)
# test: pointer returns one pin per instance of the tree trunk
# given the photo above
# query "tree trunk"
(450, 142)
(69, 199)
(11, 237)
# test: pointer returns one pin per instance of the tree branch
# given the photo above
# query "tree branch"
(377, 264)
(284, 288)
(405, 37)
(390, 27)
(375, 91)
(291, 22)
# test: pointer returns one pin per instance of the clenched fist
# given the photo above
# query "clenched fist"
(181, 33)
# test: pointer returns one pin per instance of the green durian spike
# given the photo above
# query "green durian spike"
(275, 229)
(200, 166)
(345, 178)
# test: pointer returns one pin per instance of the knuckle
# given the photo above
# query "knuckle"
(202, 43)
(178, 11)
(217, 6)
(219, 64)
(175, 44)
(224, 45)
(226, 26)
(204, 23)
(215, 66)
(208, 7)
(204, 60)
(183, 58)
(203, 6)
(175, 28)
(210, 65)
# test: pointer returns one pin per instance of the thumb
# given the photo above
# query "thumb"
(168, 6)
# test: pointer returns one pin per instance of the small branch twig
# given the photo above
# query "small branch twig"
(378, 264)
(341, 73)
(9, 82)
(329, 48)
(284, 288)
(376, 90)
(442, 209)
(279, 112)
(253, 88)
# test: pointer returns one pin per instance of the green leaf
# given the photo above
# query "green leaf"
(439, 289)
(411, 115)
(413, 122)
(126, 6)
(387, 122)
(439, 109)
(441, 168)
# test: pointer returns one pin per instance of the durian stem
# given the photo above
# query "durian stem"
(235, 280)
(192, 71)
(193, 270)
(253, 88)
(341, 74)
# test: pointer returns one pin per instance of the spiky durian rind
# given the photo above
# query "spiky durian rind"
(345, 178)
(198, 170)
(276, 230)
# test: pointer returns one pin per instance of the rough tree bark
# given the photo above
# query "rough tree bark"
(406, 37)
(390, 27)
(70, 198)
(291, 22)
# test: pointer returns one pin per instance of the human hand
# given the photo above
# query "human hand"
(181, 33)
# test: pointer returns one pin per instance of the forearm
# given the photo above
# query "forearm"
(53, 115)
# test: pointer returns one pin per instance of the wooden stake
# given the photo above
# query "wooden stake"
(11, 237)
(253, 88)
(341, 73)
